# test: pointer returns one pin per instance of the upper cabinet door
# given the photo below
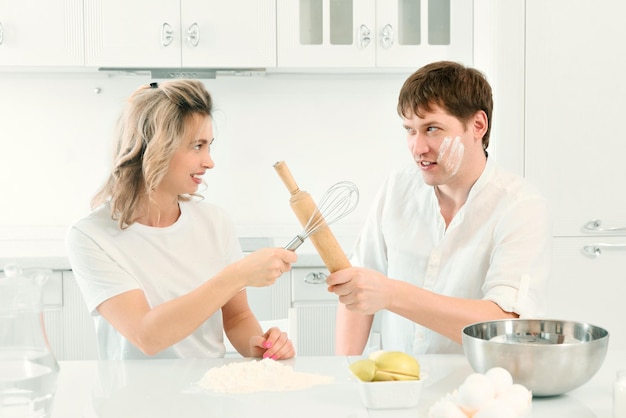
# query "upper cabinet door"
(412, 33)
(373, 33)
(41, 33)
(575, 102)
(180, 33)
(138, 33)
(326, 33)
(234, 33)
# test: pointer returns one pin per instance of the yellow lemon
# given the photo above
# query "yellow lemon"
(383, 376)
(398, 363)
(364, 369)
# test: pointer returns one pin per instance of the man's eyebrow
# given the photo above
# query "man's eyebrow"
(431, 121)
(421, 124)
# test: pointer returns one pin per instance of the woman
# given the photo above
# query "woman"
(161, 270)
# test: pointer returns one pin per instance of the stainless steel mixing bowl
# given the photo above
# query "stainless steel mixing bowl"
(549, 357)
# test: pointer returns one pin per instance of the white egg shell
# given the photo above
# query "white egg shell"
(445, 408)
(518, 397)
(476, 391)
(501, 379)
(497, 409)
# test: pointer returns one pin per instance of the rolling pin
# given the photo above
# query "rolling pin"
(304, 207)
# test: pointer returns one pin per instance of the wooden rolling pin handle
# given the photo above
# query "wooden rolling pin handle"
(286, 176)
(301, 202)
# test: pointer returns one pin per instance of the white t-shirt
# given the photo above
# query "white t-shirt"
(497, 247)
(163, 262)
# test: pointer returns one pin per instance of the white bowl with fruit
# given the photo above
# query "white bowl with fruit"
(388, 380)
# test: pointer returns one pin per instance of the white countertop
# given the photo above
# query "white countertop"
(165, 388)
(62, 263)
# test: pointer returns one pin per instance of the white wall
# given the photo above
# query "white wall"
(55, 136)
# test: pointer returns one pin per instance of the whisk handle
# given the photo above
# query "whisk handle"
(296, 242)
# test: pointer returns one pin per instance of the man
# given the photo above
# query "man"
(451, 240)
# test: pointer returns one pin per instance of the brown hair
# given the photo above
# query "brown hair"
(458, 90)
(150, 129)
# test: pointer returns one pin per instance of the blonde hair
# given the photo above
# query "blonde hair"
(151, 127)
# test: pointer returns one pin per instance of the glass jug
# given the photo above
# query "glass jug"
(28, 368)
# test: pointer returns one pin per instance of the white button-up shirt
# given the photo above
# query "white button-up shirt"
(497, 247)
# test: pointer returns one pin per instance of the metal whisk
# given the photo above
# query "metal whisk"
(338, 201)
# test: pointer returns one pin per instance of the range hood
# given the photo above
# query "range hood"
(199, 73)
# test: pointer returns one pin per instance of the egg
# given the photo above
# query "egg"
(445, 408)
(497, 409)
(501, 379)
(518, 397)
(475, 392)
(489, 395)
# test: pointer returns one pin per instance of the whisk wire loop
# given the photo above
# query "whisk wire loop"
(338, 201)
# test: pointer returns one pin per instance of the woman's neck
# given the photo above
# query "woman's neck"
(158, 213)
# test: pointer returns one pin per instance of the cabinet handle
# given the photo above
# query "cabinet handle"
(193, 35)
(1, 34)
(364, 36)
(167, 34)
(386, 36)
(594, 226)
(595, 250)
(315, 278)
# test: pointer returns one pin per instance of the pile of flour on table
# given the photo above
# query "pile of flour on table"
(258, 376)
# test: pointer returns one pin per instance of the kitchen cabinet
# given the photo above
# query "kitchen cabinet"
(586, 287)
(41, 33)
(302, 294)
(574, 150)
(373, 33)
(315, 310)
(575, 98)
(271, 303)
(180, 33)
(71, 333)
(69, 327)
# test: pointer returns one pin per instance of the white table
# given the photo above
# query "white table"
(165, 388)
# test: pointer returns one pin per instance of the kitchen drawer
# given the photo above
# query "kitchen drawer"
(309, 284)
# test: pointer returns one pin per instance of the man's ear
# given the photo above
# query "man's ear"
(480, 124)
